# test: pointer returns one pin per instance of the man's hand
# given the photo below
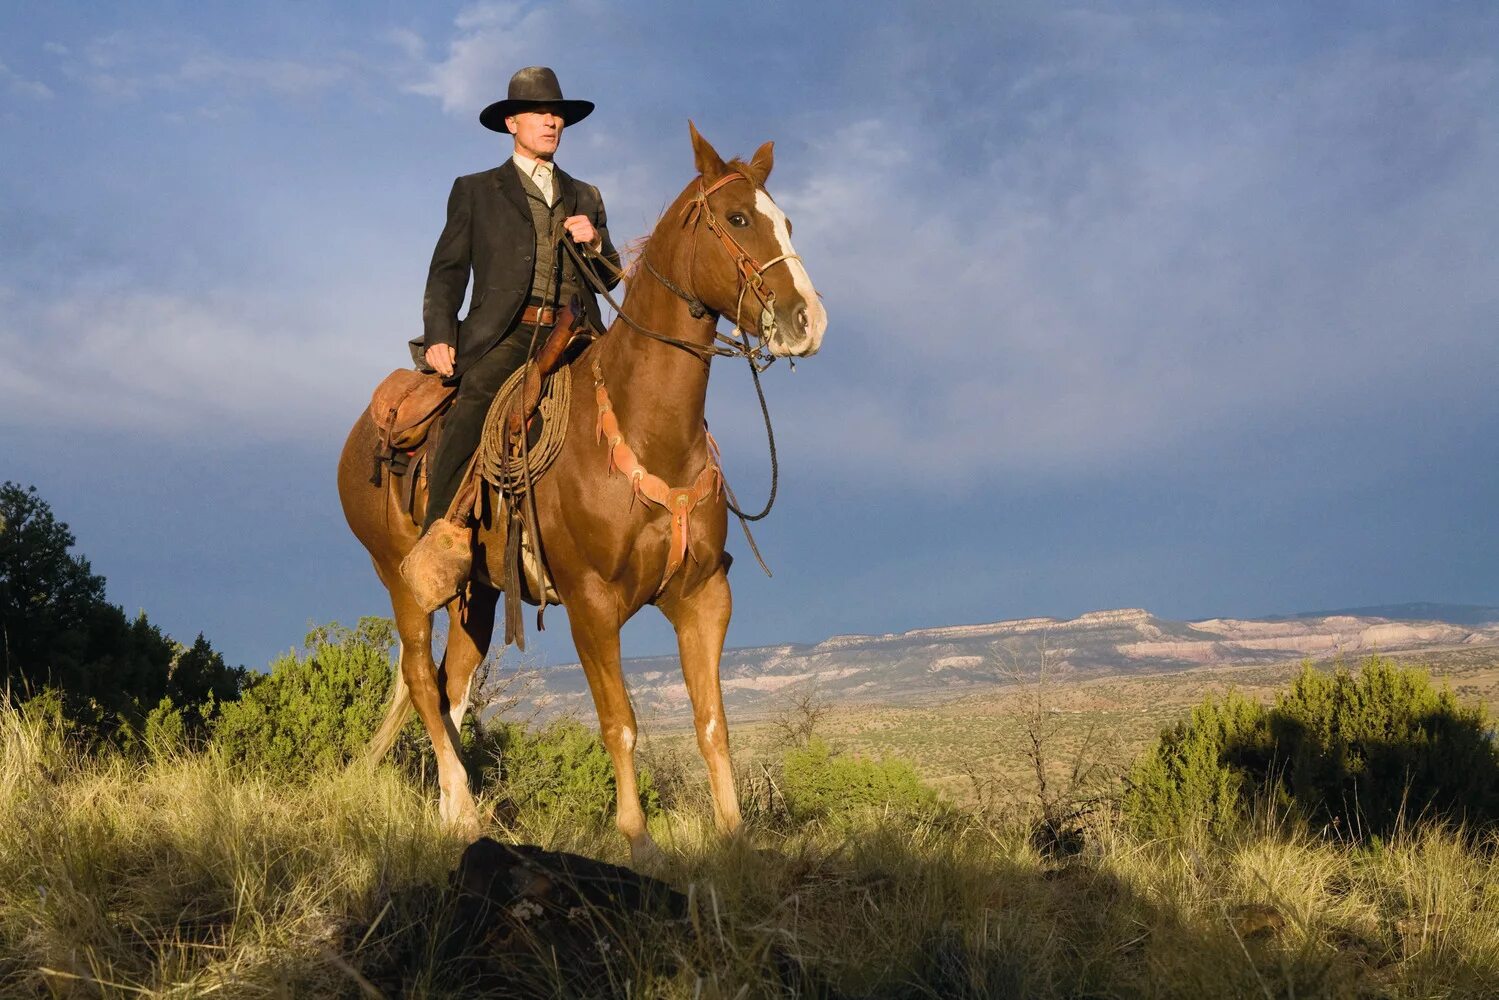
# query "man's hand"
(440, 357)
(581, 230)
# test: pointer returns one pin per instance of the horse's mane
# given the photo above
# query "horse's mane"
(633, 253)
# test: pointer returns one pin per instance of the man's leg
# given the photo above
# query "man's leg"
(464, 423)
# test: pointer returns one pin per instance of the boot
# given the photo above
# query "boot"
(439, 564)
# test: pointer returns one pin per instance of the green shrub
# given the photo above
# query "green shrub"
(561, 768)
(315, 710)
(1353, 754)
(1361, 752)
(166, 730)
(819, 783)
(1197, 774)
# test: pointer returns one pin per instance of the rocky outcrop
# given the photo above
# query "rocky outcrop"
(520, 921)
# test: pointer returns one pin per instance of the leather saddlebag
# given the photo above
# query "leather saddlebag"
(404, 405)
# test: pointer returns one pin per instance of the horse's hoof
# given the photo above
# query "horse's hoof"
(462, 821)
(466, 828)
(645, 856)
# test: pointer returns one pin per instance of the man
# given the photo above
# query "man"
(501, 226)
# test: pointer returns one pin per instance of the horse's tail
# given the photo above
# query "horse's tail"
(395, 718)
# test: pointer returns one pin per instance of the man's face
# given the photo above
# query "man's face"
(537, 132)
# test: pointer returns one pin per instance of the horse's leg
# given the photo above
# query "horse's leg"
(595, 626)
(415, 626)
(470, 626)
(701, 619)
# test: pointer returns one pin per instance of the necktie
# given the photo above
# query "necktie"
(543, 179)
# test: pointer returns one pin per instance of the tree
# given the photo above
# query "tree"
(47, 594)
(58, 631)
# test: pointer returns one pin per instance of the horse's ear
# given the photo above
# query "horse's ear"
(709, 163)
(761, 163)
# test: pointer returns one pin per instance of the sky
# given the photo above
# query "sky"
(1184, 306)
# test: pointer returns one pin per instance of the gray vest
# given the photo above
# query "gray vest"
(544, 279)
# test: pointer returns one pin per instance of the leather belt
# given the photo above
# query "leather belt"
(544, 315)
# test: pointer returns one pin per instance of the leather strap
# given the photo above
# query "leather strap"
(546, 360)
(679, 501)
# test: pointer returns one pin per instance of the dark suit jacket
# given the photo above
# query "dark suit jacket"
(490, 232)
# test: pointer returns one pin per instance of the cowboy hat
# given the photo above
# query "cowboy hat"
(530, 88)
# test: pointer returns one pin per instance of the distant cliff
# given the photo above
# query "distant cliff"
(962, 659)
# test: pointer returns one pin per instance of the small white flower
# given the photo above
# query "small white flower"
(525, 910)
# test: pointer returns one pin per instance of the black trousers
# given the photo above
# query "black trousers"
(463, 424)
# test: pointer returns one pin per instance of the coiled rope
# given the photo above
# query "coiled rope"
(510, 472)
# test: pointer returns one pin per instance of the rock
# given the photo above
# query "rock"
(521, 921)
(503, 873)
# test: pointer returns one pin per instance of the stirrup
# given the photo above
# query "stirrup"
(438, 565)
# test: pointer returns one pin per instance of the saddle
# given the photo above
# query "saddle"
(442, 560)
(407, 402)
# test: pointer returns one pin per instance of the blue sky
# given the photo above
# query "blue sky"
(1186, 306)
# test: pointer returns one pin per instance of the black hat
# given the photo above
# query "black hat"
(531, 88)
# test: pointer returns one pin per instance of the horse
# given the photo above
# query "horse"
(608, 553)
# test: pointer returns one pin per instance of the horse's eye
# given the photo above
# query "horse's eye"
(738, 219)
(789, 227)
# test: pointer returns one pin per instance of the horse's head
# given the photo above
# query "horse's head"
(738, 255)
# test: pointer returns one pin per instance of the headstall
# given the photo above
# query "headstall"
(751, 271)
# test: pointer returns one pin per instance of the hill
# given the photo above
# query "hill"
(957, 660)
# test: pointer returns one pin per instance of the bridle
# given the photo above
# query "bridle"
(751, 272)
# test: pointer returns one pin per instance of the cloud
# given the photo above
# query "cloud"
(128, 65)
(410, 44)
(283, 76)
(1086, 255)
(1140, 274)
(214, 366)
(18, 86)
(586, 41)
(492, 40)
(1093, 257)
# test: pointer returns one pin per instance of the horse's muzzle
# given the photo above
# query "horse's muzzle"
(798, 330)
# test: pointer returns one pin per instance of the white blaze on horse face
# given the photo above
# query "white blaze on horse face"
(817, 316)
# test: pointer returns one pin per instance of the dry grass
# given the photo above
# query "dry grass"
(184, 878)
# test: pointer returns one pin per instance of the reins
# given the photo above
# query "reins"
(751, 278)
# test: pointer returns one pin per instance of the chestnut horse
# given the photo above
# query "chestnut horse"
(607, 550)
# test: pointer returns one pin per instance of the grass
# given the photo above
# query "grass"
(184, 877)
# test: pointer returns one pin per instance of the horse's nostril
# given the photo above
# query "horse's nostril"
(801, 318)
